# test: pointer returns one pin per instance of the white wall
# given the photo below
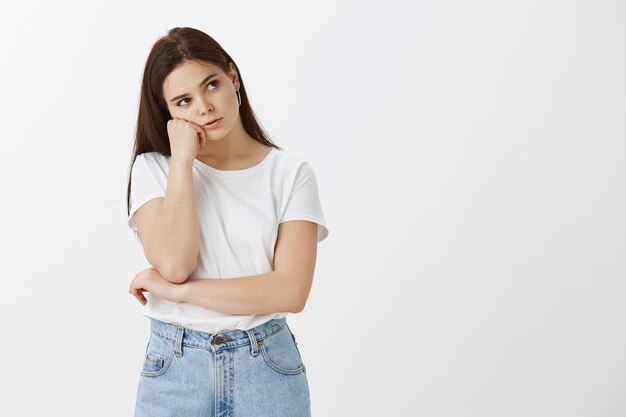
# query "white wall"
(471, 159)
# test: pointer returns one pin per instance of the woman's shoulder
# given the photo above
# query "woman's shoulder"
(153, 162)
(288, 160)
(153, 158)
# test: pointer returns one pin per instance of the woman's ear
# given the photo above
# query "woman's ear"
(233, 76)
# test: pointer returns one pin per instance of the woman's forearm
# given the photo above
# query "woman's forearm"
(174, 241)
(256, 294)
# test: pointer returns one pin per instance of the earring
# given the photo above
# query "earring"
(239, 97)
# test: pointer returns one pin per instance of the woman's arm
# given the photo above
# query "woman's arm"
(255, 294)
(271, 292)
(285, 289)
(168, 227)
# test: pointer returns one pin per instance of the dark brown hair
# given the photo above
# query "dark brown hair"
(169, 51)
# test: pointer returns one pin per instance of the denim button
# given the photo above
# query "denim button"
(219, 340)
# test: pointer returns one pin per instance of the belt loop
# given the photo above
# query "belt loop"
(178, 345)
(253, 342)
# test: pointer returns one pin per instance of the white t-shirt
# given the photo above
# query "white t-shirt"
(239, 212)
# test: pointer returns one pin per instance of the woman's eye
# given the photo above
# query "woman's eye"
(181, 101)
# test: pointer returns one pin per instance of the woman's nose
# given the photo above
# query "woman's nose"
(204, 107)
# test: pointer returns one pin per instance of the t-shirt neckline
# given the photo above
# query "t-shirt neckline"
(233, 172)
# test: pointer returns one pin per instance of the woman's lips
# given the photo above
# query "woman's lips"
(214, 124)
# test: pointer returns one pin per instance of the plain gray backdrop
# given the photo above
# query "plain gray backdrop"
(471, 162)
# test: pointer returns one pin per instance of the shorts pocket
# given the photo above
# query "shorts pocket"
(159, 356)
(279, 351)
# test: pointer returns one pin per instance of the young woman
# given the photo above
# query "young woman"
(230, 224)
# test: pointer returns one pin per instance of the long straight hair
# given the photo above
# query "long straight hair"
(167, 53)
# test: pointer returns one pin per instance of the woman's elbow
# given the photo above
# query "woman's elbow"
(177, 273)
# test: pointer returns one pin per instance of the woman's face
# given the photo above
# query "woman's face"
(200, 92)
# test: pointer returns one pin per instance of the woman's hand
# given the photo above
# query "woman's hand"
(152, 281)
(186, 138)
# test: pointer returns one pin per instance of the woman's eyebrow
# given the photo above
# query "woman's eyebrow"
(200, 85)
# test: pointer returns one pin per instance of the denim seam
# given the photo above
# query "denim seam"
(244, 342)
(167, 361)
(279, 369)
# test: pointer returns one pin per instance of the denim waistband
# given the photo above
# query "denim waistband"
(182, 336)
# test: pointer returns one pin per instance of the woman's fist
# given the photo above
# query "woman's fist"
(186, 139)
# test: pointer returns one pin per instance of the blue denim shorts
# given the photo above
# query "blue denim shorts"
(241, 373)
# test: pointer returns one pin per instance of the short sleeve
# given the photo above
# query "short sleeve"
(143, 187)
(304, 201)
